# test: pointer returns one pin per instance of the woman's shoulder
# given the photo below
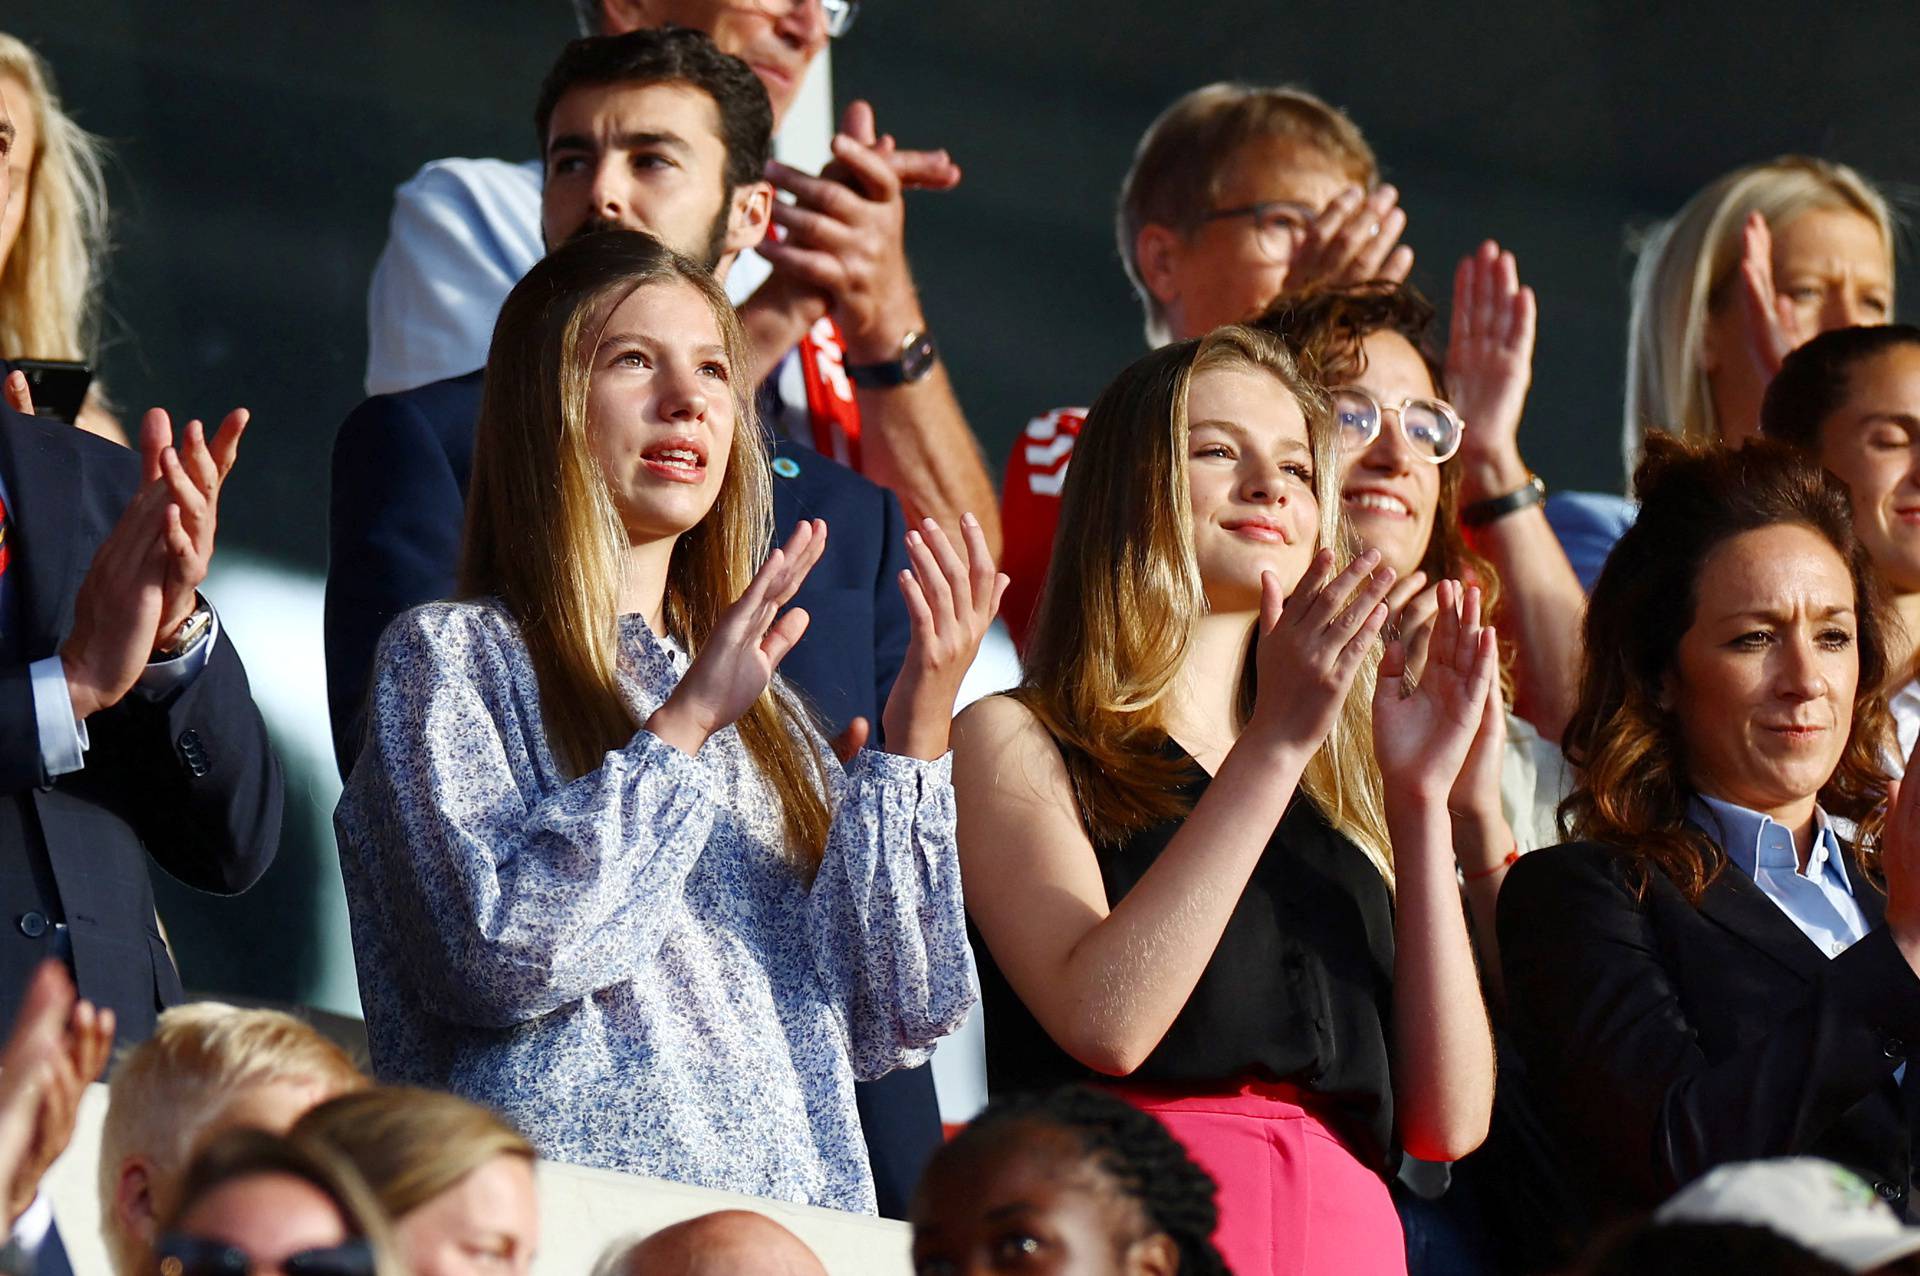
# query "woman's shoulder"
(449, 632)
(1557, 880)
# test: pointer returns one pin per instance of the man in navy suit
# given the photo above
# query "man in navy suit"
(127, 728)
(656, 131)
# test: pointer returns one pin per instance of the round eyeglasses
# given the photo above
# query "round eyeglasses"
(1431, 427)
(1278, 225)
(838, 13)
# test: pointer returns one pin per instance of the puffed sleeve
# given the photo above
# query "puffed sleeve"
(504, 901)
(886, 917)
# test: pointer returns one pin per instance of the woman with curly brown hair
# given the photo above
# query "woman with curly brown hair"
(1721, 969)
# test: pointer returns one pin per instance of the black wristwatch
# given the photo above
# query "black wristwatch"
(917, 356)
(1480, 513)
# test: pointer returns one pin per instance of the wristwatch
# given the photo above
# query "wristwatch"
(191, 632)
(1530, 493)
(917, 356)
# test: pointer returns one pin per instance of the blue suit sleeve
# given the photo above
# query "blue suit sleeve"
(891, 628)
(394, 526)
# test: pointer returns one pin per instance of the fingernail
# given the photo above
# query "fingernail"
(913, 538)
(969, 519)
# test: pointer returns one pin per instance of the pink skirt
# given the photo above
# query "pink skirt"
(1294, 1201)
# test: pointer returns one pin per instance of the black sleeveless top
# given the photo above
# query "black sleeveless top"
(1299, 989)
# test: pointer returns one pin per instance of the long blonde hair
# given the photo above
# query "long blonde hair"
(411, 1145)
(49, 306)
(544, 538)
(1684, 261)
(1123, 597)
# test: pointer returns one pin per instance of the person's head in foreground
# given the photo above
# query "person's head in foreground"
(724, 1243)
(656, 131)
(1851, 398)
(1828, 1210)
(779, 39)
(1736, 649)
(1223, 188)
(1202, 466)
(454, 1177)
(1073, 1181)
(616, 422)
(207, 1068)
(1818, 233)
(258, 1202)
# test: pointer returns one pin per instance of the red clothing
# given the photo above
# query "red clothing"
(1030, 510)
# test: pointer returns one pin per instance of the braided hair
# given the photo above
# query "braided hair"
(1133, 1149)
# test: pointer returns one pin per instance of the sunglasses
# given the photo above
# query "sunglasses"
(193, 1256)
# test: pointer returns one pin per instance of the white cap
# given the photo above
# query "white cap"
(1821, 1206)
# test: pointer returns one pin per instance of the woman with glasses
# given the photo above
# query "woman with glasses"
(1433, 479)
(254, 1203)
(1205, 842)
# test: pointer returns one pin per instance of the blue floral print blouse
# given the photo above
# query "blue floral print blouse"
(626, 963)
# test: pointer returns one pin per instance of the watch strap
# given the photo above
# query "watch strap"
(1480, 513)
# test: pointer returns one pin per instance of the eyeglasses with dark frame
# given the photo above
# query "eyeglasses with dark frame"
(1278, 224)
(1431, 427)
(840, 14)
(180, 1255)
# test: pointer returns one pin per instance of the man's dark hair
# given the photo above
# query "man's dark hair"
(671, 55)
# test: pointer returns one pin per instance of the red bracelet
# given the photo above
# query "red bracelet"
(1512, 858)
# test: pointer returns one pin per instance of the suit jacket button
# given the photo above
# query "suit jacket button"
(33, 925)
(1894, 1048)
(193, 753)
(1888, 1191)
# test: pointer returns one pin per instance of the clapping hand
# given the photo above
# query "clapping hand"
(950, 602)
(735, 664)
(142, 582)
(1354, 240)
(1489, 367)
(57, 1048)
(1423, 729)
(1773, 327)
(1310, 647)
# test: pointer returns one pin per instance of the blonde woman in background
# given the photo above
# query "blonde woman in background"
(1212, 866)
(53, 232)
(455, 1178)
(1756, 263)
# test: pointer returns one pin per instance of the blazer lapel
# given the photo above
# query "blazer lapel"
(42, 470)
(1736, 903)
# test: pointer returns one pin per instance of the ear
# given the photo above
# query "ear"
(749, 215)
(135, 1213)
(617, 17)
(1157, 1255)
(1156, 253)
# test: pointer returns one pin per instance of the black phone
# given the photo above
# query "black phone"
(58, 387)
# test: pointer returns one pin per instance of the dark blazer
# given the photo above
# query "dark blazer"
(400, 467)
(190, 780)
(398, 508)
(1661, 1039)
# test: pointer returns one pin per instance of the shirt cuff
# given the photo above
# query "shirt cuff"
(164, 677)
(63, 737)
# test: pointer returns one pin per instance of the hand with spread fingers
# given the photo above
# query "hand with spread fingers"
(1354, 240)
(950, 602)
(1311, 646)
(733, 667)
(1424, 729)
(1489, 368)
(1900, 861)
(192, 474)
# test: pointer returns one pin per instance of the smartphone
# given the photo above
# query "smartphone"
(58, 387)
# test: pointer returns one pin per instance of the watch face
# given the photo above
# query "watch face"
(916, 360)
